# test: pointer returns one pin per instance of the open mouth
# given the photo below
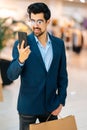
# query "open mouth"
(36, 30)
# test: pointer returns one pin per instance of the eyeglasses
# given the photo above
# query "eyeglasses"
(38, 22)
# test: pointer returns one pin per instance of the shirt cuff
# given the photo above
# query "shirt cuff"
(21, 64)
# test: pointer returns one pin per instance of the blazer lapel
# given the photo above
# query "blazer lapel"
(55, 50)
(35, 49)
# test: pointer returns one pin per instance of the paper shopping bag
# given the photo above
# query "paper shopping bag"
(66, 123)
(1, 94)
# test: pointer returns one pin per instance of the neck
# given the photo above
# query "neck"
(43, 39)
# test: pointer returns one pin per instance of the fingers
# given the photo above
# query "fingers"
(21, 45)
(57, 111)
(26, 48)
(27, 51)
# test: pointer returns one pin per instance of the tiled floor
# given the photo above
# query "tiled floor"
(76, 103)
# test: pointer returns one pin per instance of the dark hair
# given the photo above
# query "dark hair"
(39, 8)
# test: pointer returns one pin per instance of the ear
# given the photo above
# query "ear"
(48, 21)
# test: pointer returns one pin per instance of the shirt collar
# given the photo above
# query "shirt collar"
(48, 41)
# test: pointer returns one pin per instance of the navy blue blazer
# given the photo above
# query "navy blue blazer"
(40, 91)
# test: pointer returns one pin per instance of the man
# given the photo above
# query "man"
(42, 68)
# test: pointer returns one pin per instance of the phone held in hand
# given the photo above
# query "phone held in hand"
(22, 36)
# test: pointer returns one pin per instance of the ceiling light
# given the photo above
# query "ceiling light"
(83, 1)
(70, 0)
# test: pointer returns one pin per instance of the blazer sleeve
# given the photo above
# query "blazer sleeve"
(15, 68)
(62, 77)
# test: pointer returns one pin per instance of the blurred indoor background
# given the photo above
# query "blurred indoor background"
(69, 22)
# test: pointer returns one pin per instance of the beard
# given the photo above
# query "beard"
(37, 32)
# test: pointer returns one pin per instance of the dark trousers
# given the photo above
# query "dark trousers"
(24, 121)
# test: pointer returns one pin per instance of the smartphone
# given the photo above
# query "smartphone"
(22, 36)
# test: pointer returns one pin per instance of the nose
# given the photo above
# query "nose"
(35, 24)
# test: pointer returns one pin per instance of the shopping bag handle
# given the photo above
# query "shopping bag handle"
(50, 116)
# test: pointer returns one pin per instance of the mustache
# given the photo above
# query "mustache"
(36, 28)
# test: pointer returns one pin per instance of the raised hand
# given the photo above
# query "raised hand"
(23, 52)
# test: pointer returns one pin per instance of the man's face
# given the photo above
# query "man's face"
(38, 23)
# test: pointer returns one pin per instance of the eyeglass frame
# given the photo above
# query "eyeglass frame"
(38, 22)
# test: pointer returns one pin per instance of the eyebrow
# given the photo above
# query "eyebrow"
(37, 20)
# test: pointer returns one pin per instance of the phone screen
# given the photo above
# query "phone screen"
(22, 36)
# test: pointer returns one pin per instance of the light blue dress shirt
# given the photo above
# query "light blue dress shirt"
(46, 52)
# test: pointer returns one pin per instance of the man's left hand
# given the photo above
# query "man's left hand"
(57, 111)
